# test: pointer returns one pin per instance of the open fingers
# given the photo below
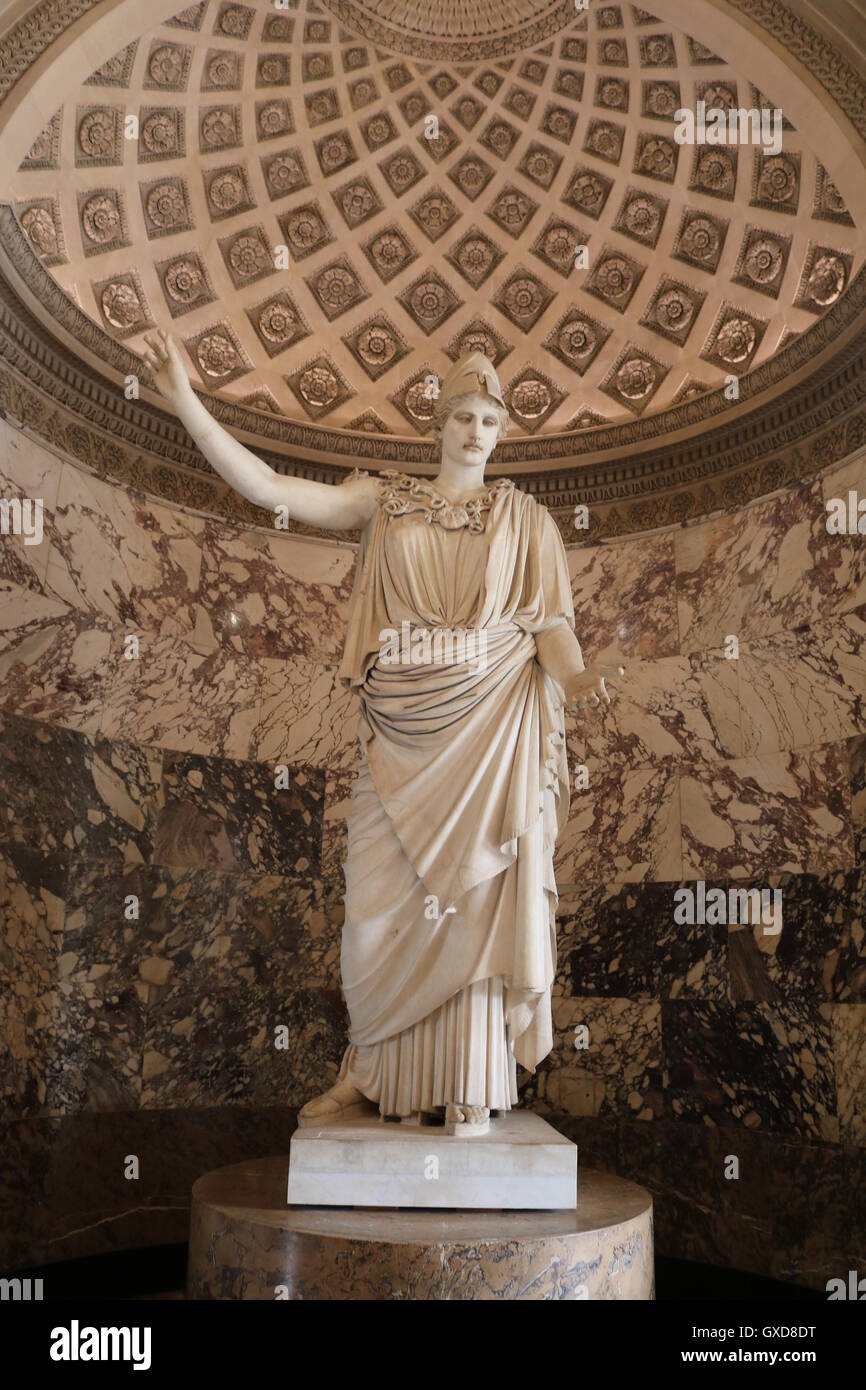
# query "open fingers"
(168, 343)
(157, 348)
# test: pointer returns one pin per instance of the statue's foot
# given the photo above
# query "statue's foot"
(332, 1102)
(466, 1119)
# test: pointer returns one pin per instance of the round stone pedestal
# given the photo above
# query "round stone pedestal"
(245, 1242)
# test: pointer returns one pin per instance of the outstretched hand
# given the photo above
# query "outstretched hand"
(164, 360)
(588, 687)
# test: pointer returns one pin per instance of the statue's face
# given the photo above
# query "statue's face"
(470, 433)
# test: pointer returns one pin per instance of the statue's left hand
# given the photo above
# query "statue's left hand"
(588, 687)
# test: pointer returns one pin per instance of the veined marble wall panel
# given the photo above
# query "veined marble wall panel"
(236, 629)
(768, 568)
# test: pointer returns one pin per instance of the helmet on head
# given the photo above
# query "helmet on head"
(472, 375)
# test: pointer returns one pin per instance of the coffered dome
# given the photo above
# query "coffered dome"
(328, 204)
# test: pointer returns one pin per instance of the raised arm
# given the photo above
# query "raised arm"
(344, 508)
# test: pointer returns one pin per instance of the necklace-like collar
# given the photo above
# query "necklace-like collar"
(403, 493)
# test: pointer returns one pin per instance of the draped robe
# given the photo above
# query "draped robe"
(449, 949)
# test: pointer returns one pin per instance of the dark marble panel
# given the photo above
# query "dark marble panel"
(853, 1193)
(856, 752)
(697, 1216)
(820, 952)
(240, 1007)
(606, 938)
(819, 1218)
(689, 959)
(756, 1065)
(60, 790)
(287, 928)
(623, 940)
(32, 904)
(93, 1044)
(43, 781)
(793, 1211)
(615, 1068)
(595, 1137)
(64, 1193)
(849, 1051)
(224, 814)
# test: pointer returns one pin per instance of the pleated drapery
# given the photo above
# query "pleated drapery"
(449, 951)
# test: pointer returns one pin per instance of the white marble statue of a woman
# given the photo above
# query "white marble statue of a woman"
(449, 947)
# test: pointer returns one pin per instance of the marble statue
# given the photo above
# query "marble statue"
(449, 948)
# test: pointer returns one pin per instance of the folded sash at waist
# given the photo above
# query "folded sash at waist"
(435, 693)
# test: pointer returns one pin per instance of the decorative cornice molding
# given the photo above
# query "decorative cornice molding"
(50, 392)
(27, 40)
(824, 62)
(841, 429)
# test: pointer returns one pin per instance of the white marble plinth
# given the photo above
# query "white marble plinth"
(521, 1164)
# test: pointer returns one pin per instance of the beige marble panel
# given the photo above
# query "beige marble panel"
(306, 716)
(625, 602)
(662, 713)
(54, 660)
(274, 595)
(763, 569)
(804, 688)
(117, 552)
(176, 696)
(769, 812)
(624, 828)
(845, 555)
(27, 470)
